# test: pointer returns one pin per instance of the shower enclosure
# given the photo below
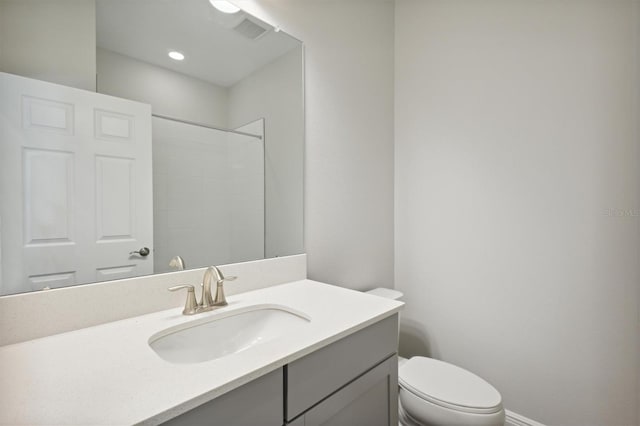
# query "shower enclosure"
(208, 192)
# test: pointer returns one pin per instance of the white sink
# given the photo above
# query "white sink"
(231, 332)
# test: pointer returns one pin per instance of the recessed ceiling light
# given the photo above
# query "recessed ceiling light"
(224, 6)
(176, 56)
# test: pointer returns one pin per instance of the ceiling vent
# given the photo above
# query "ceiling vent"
(250, 29)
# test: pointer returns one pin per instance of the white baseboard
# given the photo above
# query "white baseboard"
(515, 419)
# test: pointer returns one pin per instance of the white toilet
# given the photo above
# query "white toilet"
(436, 393)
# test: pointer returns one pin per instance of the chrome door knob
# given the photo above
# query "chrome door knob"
(144, 251)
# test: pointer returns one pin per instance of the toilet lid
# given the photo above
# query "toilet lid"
(448, 386)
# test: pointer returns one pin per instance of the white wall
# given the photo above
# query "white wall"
(274, 93)
(349, 134)
(61, 51)
(169, 92)
(518, 199)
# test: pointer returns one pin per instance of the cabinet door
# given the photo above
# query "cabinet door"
(319, 374)
(370, 400)
(259, 402)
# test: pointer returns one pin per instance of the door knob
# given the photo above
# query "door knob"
(144, 251)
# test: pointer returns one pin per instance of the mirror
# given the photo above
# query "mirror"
(110, 146)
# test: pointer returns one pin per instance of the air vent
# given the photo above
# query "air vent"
(250, 29)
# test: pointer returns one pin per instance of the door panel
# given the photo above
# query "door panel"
(75, 186)
(47, 115)
(115, 183)
(48, 182)
(55, 280)
(113, 126)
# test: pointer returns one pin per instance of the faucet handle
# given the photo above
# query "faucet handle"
(191, 305)
(220, 299)
(177, 263)
(220, 276)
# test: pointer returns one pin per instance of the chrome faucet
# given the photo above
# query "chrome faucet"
(219, 299)
(207, 302)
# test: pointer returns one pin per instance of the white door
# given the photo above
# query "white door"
(75, 186)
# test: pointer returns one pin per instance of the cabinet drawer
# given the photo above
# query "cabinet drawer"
(321, 373)
(259, 402)
(370, 400)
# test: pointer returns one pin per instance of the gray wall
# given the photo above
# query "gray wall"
(274, 93)
(170, 93)
(349, 134)
(517, 198)
(62, 51)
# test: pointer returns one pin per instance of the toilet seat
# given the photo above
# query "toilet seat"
(448, 386)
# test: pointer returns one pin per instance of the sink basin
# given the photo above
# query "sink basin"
(214, 337)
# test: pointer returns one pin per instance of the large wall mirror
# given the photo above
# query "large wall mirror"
(144, 136)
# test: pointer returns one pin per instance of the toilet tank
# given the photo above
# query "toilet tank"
(387, 293)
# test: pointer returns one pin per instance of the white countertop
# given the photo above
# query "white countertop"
(108, 374)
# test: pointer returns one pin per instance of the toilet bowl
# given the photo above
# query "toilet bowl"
(436, 393)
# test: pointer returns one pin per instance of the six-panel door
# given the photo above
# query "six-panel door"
(75, 186)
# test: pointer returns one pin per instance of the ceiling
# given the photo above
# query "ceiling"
(215, 52)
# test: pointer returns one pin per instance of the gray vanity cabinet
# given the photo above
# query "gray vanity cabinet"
(353, 381)
(258, 402)
(370, 400)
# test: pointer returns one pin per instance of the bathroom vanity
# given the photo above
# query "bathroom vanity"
(335, 363)
(352, 381)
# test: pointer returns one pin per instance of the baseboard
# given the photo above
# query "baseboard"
(515, 419)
